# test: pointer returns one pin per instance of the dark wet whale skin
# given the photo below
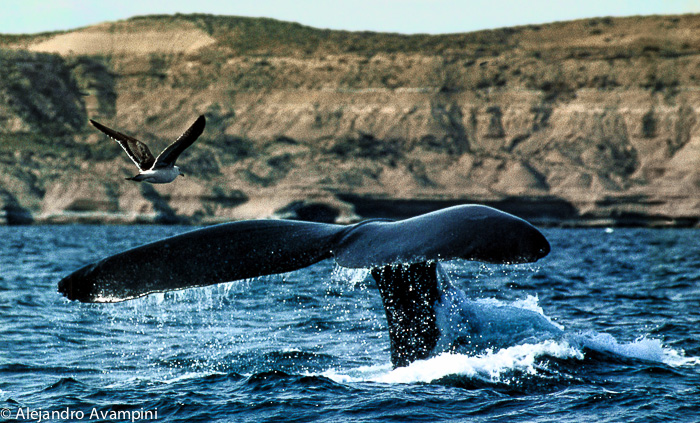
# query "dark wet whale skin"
(401, 254)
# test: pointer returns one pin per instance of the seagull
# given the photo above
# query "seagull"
(161, 169)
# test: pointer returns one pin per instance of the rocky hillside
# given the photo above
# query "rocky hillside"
(590, 122)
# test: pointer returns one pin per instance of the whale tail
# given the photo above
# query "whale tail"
(402, 257)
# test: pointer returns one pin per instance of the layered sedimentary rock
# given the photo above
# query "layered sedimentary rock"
(590, 122)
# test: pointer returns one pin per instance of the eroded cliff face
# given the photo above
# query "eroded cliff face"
(590, 122)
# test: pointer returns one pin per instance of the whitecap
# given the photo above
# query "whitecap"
(490, 365)
(643, 348)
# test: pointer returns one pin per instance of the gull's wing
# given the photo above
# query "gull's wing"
(138, 152)
(172, 152)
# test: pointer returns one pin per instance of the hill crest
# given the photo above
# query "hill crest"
(584, 122)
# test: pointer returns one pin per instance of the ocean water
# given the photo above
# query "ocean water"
(312, 345)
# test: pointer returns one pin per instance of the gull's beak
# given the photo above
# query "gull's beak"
(182, 174)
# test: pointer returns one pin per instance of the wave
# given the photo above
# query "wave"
(645, 349)
(509, 342)
(512, 364)
(490, 365)
(485, 340)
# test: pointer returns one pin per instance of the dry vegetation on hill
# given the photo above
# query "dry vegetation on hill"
(583, 122)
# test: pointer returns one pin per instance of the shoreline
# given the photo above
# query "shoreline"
(543, 212)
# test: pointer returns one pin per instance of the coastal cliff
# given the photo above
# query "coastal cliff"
(591, 122)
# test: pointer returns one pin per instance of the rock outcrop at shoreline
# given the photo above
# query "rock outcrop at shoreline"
(591, 122)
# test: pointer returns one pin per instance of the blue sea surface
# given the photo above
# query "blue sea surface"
(312, 345)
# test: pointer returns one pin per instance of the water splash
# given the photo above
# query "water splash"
(504, 338)
(349, 276)
(643, 348)
(490, 365)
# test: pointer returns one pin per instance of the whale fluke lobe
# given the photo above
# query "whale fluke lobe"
(402, 256)
(469, 232)
(212, 255)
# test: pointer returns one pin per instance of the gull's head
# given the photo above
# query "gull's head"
(179, 172)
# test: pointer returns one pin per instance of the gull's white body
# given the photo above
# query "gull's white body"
(158, 176)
